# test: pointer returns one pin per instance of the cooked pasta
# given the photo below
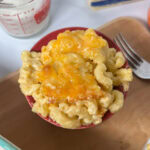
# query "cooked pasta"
(72, 79)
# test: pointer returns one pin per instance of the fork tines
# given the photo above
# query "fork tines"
(133, 58)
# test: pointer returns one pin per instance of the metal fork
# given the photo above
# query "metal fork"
(140, 67)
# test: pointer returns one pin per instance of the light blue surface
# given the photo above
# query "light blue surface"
(6, 145)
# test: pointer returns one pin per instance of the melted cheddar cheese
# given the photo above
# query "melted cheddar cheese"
(67, 71)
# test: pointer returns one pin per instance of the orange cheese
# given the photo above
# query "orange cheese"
(67, 71)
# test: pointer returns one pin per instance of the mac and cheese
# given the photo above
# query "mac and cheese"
(72, 79)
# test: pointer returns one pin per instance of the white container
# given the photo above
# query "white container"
(23, 18)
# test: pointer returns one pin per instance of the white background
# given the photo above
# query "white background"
(65, 13)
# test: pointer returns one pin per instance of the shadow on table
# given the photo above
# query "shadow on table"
(3, 71)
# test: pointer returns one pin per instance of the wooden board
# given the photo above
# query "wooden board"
(129, 129)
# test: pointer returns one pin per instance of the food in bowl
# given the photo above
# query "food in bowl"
(74, 79)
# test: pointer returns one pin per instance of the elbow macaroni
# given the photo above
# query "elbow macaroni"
(72, 79)
(117, 102)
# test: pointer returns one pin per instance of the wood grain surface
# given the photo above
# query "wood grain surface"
(129, 129)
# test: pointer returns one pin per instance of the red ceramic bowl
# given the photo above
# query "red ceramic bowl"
(53, 35)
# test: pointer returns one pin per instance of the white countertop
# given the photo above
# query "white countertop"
(65, 13)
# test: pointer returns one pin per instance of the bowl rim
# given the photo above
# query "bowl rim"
(53, 35)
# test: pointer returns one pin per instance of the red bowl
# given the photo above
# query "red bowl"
(53, 35)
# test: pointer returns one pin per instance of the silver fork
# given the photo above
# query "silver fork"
(140, 67)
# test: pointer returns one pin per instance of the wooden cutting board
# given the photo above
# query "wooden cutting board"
(129, 129)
